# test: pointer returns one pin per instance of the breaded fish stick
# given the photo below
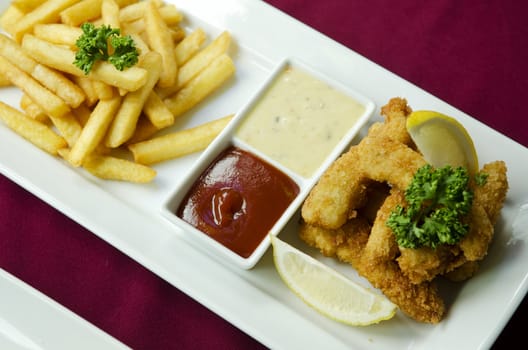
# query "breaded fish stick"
(352, 195)
(381, 245)
(395, 112)
(459, 262)
(386, 160)
(419, 301)
(493, 193)
(343, 186)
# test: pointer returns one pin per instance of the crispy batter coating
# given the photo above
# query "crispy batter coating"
(385, 160)
(346, 243)
(346, 212)
(475, 244)
(424, 264)
(492, 194)
(463, 272)
(344, 185)
(340, 188)
(487, 203)
(490, 197)
(420, 301)
(460, 261)
(395, 112)
(382, 244)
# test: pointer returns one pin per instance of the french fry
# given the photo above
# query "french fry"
(94, 130)
(160, 40)
(189, 46)
(125, 121)
(204, 58)
(201, 86)
(34, 131)
(197, 63)
(54, 56)
(110, 13)
(26, 5)
(54, 81)
(157, 112)
(4, 81)
(85, 11)
(68, 126)
(58, 33)
(61, 58)
(177, 34)
(179, 143)
(102, 90)
(170, 15)
(81, 12)
(59, 84)
(48, 12)
(87, 86)
(135, 27)
(83, 117)
(11, 51)
(112, 168)
(10, 16)
(82, 113)
(48, 101)
(141, 45)
(144, 130)
(139, 27)
(130, 79)
(135, 11)
(134, 14)
(32, 109)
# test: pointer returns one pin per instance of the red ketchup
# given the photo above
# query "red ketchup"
(237, 200)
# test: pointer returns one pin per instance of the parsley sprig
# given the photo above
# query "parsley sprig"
(437, 200)
(104, 44)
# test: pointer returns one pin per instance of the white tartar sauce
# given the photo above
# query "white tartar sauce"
(299, 120)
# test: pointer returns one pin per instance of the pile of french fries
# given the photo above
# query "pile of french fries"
(85, 118)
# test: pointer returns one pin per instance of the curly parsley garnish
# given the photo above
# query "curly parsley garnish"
(438, 199)
(104, 44)
(481, 178)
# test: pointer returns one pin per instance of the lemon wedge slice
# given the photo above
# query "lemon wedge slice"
(442, 140)
(327, 291)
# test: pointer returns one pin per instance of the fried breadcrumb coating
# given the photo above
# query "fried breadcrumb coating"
(345, 215)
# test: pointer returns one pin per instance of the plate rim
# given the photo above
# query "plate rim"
(17, 172)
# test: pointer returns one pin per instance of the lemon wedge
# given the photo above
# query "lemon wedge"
(327, 291)
(442, 140)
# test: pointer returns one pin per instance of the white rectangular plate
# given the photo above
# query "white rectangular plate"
(31, 321)
(137, 228)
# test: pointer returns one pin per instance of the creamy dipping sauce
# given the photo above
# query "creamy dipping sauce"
(299, 120)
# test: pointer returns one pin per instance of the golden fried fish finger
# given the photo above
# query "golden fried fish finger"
(386, 160)
(381, 245)
(395, 112)
(339, 189)
(419, 301)
(492, 194)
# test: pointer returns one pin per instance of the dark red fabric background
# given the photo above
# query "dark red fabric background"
(473, 54)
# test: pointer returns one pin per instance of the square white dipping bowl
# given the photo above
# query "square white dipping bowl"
(290, 81)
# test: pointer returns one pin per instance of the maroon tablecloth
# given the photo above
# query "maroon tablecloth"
(472, 54)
